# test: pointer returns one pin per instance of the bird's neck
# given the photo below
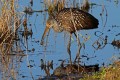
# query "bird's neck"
(56, 27)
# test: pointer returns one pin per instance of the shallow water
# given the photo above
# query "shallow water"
(57, 44)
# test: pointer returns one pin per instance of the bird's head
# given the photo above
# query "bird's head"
(51, 22)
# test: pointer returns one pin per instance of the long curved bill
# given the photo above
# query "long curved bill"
(47, 29)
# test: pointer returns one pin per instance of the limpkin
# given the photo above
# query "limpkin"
(70, 20)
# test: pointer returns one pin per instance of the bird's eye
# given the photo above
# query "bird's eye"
(49, 24)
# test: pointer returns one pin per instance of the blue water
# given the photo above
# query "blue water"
(57, 44)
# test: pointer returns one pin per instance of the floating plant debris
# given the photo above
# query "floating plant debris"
(116, 43)
(117, 34)
(28, 10)
(31, 2)
(115, 26)
(100, 43)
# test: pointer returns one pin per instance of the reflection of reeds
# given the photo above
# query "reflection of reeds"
(9, 23)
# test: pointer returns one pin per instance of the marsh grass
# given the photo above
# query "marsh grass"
(57, 5)
(9, 24)
(110, 72)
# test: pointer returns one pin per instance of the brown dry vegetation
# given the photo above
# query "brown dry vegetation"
(113, 71)
(54, 6)
(9, 23)
(57, 5)
(106, 73)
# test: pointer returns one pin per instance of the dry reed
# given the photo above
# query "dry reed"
(9, 23)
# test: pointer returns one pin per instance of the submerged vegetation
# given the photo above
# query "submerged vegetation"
(15, 31)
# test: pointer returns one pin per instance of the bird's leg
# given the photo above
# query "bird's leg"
(78, 53)
(79, 47)
(68, 48)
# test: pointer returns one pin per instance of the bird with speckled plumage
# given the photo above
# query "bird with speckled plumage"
(70, 20)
